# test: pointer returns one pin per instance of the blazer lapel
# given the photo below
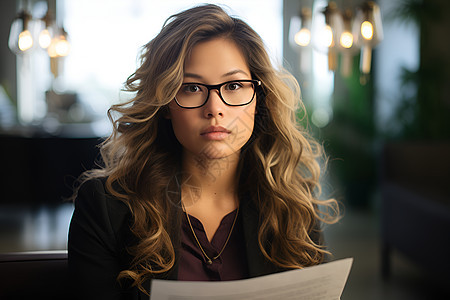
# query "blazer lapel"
(258, 265)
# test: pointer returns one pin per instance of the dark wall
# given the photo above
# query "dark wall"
(43, 170)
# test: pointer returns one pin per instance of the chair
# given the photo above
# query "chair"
(415, 206)
(34, 275)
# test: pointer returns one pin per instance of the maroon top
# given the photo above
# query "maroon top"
(230, 265)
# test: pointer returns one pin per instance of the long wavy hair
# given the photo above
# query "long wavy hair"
(279, 166)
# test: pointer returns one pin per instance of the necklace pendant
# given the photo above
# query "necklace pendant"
(209, 261)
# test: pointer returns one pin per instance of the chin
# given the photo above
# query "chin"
(216, 151)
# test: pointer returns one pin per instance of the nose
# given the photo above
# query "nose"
(214, 106)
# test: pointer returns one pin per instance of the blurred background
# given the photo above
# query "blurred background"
(375, 80)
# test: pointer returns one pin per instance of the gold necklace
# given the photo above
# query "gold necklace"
(209, 260)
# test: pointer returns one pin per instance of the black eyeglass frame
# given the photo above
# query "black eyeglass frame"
(217, 87)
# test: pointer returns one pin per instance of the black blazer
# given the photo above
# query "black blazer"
(100, 233)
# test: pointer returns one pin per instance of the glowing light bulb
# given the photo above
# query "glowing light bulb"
(367, 30)
(25, 40)
(45, 39)
(303, 37)
(62, 47)
(346, 39)
(327, 37)
(59, 47)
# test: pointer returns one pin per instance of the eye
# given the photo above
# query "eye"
(232, 86)
(191, 88)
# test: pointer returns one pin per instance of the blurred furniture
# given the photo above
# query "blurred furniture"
(41, 169)
(34, 275)
(415, 210)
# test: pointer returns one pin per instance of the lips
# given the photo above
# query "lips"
(212, 129)
(215, 133)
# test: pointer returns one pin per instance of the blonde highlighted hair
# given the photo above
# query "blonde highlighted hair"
(279, 166)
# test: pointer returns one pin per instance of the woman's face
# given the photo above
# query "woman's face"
(214, 130)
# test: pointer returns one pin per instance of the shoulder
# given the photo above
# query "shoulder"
(92, 189)
(94, 204)
(93, 192)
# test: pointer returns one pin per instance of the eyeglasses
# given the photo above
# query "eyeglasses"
(232, 93)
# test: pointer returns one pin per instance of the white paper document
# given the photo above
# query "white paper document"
(322, 282)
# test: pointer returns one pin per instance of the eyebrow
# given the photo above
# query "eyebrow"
(237, 71)
(232, 72)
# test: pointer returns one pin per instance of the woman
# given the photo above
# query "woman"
(207, 175)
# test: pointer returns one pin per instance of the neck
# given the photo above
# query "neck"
(213, 180)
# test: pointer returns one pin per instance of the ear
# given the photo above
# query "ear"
(166, 113)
